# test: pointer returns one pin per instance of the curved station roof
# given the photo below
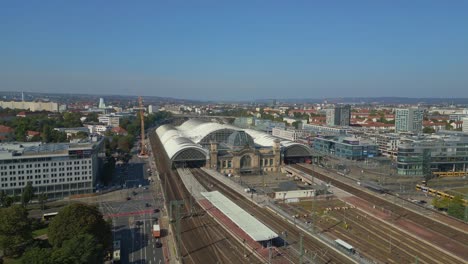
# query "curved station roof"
(185, 141)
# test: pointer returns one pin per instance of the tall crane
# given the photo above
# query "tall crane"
(143, 151)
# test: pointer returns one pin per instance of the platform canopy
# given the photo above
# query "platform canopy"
(249, 224)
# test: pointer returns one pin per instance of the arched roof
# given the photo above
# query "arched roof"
(191, 133)
(197, 130)
(267, 140)
(296, 149)
(174, 142)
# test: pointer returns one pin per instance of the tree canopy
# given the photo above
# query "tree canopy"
(27, 194)
(15, 228)
(37, 255)
(82, 249)
(78, 219)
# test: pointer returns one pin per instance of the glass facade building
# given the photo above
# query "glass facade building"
(345, 147)
(409, 120)
(442, 152)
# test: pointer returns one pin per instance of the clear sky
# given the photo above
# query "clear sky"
(236, 49)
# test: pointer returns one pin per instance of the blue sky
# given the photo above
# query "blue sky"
(236, 49)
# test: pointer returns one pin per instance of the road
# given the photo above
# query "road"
(132, 210)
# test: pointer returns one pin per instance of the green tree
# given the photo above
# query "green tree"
(27, 194)
(124, 144)
(15, 228)
(72, 119)
(37, 255)
(42, 198)
(77, 219)
(441, 203)
(428, 130)
(81, 249)
(456, 207)
(296, 124)
(5, 200)
(92, 117)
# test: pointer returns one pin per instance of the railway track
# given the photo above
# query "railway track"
(202, 239)
(450, 239)
(377, 240)
(320, 252)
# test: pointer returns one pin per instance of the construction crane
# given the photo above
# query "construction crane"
(143, 151)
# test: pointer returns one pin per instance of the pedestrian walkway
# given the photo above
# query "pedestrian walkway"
(192, 185)
(251, 245)
(259, 200)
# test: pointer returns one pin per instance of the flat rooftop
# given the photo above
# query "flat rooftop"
(249, 224)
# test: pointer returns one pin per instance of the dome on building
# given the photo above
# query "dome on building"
(240, 139)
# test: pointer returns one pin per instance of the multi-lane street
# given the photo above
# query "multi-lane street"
(133, 210)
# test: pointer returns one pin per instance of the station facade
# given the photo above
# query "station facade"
(227, 148)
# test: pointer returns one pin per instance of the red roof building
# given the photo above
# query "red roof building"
(119, 131)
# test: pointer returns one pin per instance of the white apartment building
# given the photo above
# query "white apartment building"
(465, 125)
(99, 129)
(289, 134)
(113, 121)
(58, 169)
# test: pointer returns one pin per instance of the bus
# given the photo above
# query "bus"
(116, 253)
(48, 216)
(345, 246)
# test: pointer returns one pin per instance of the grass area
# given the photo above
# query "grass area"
(40, 232)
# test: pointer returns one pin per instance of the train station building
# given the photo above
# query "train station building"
(227, 148)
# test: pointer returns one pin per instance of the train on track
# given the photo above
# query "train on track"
(437, 193)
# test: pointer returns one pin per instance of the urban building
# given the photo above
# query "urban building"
(290, 134)
(101, 105)
(57, 170)
(152, 109)
(339, 115)
(388, 144)
(227, 148)
(465, 125)
(346, 147)
(326, 130)
(109, 120)
(72, 131)
(244, 122)
(32, 106)
(443, 152)
(267, 125)
(409, 120)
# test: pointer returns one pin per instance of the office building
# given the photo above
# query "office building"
(102, 105)
(409, 120)
(152, 109)
(325, 130)
(289, 134)
(346, 147)
(57, 169)
(339, 116)
(443, 152)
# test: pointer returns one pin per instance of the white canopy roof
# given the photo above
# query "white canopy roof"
(249, 224)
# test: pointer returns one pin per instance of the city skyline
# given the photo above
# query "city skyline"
(217, 51)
